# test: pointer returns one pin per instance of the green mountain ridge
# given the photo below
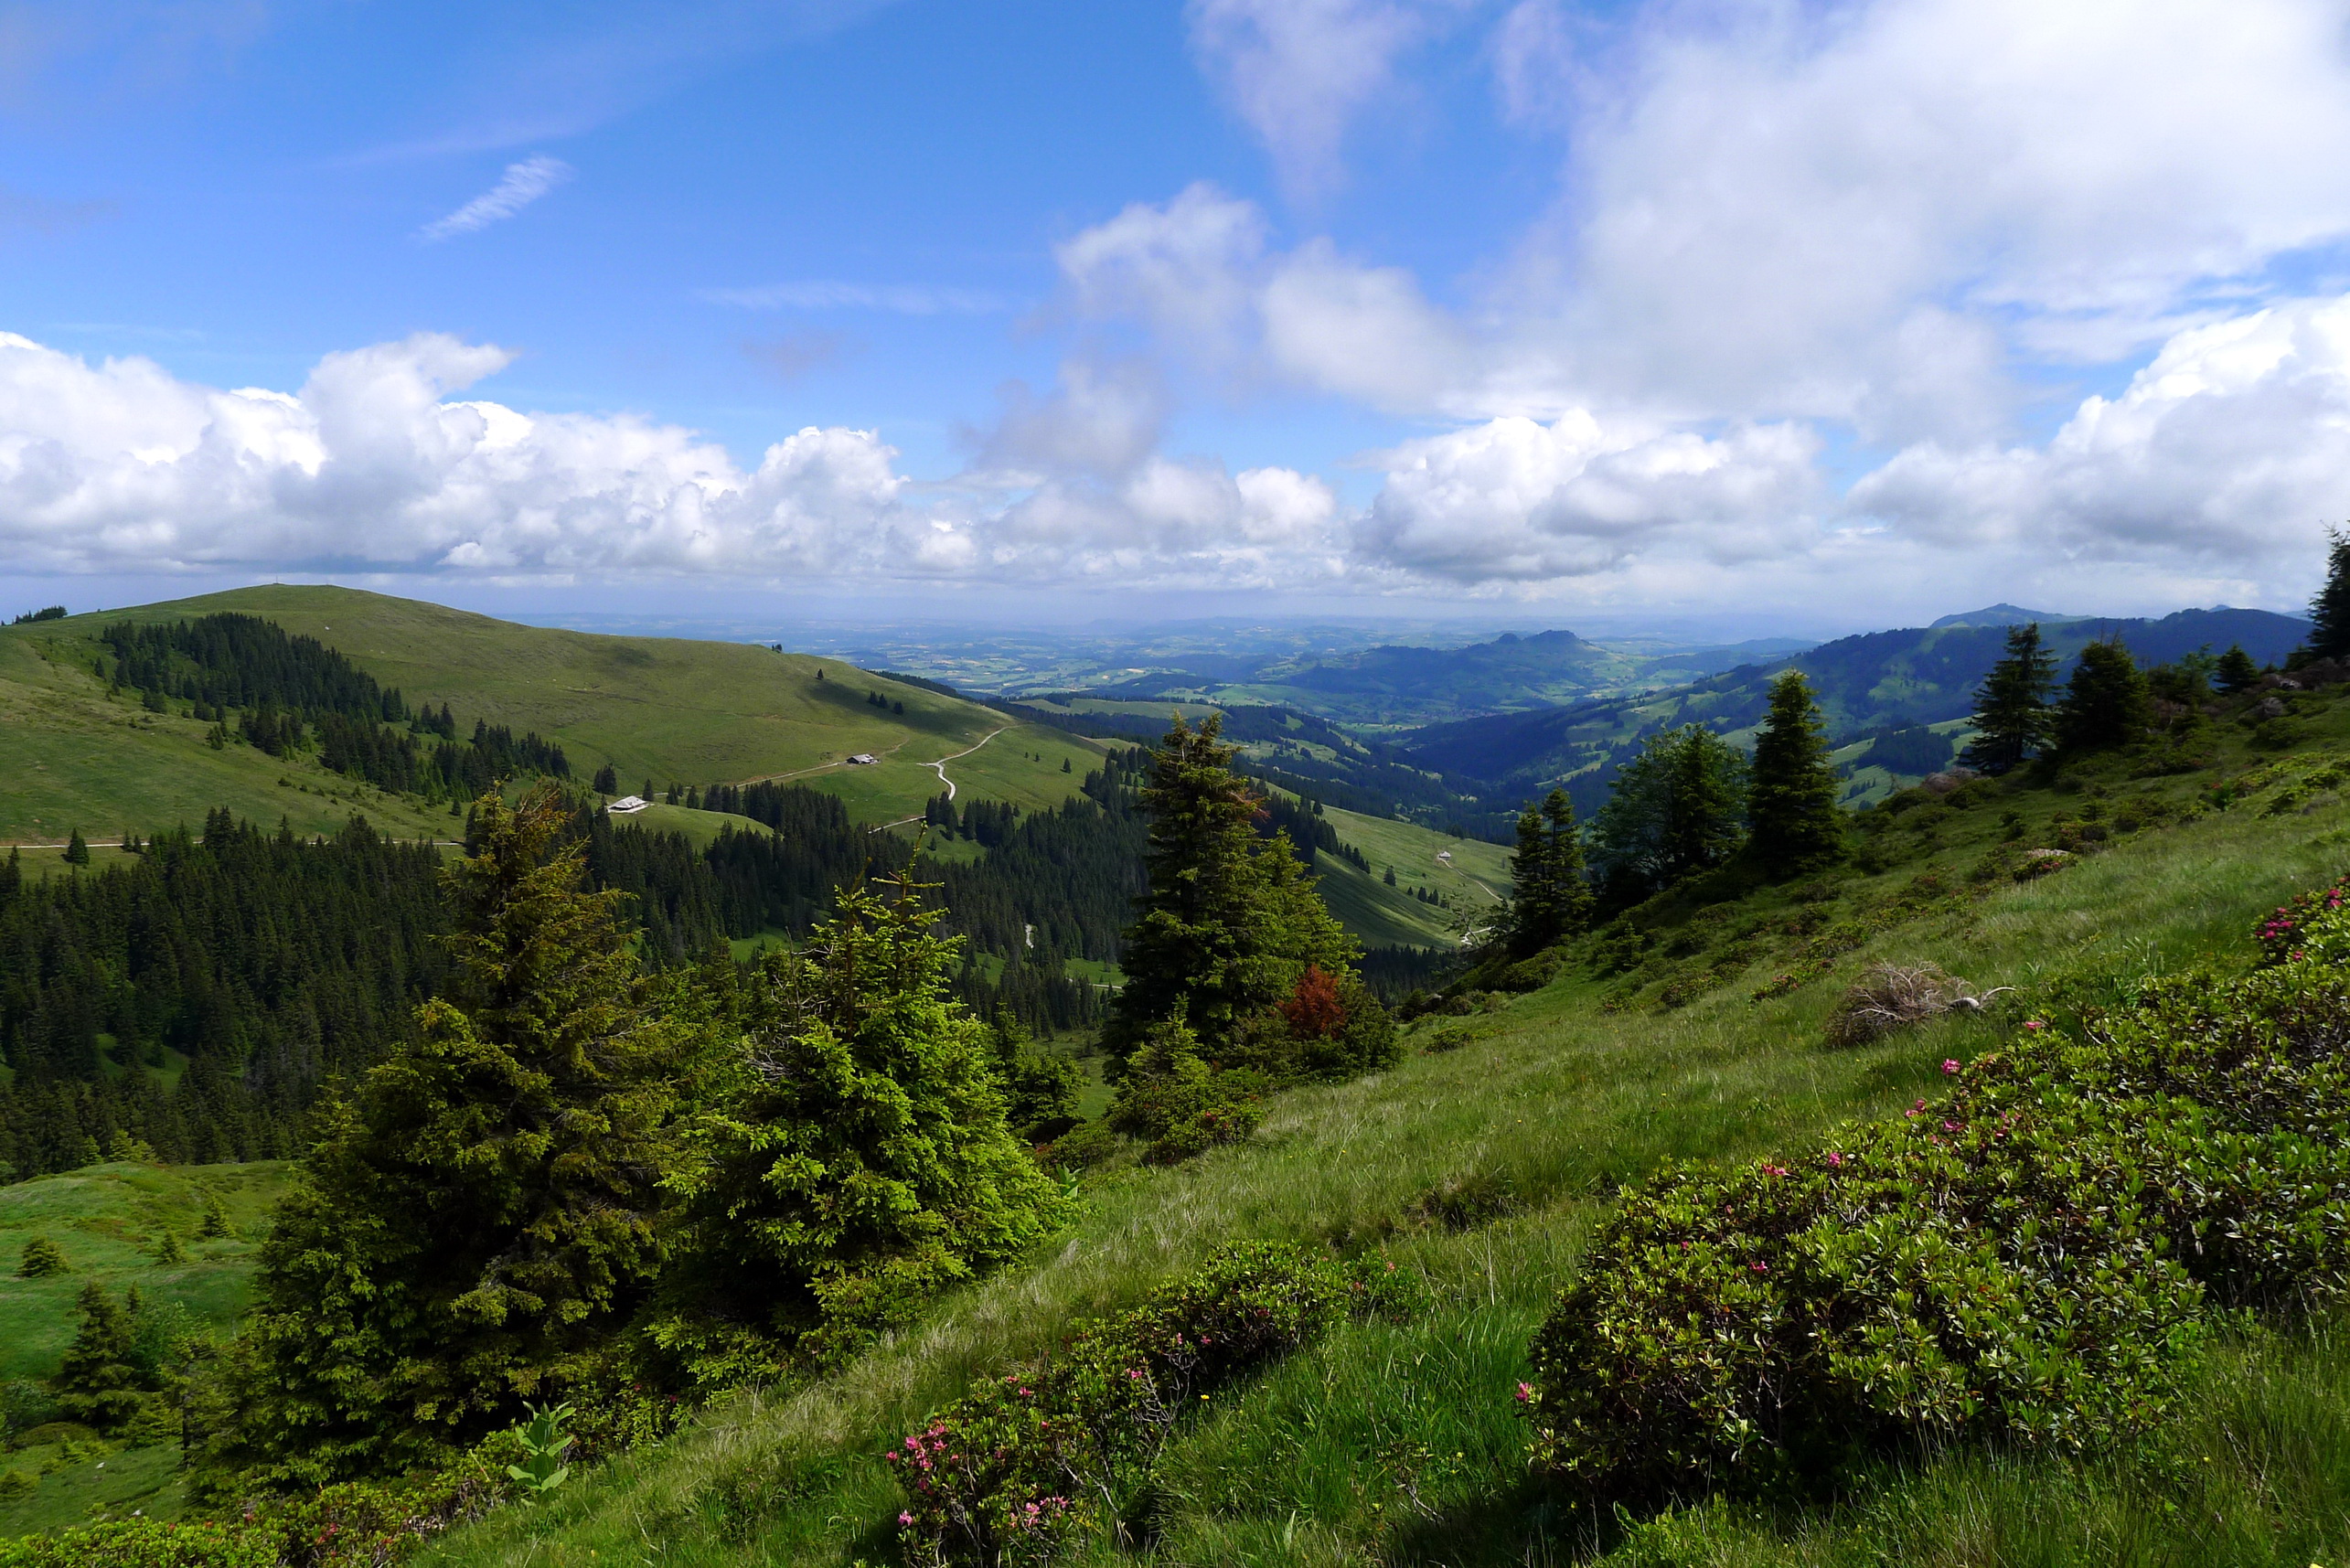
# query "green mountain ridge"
(1878, 680)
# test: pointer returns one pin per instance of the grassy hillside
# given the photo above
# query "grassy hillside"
(662, 710)
(1486, 1159)
(110, 1220)
(74, 758)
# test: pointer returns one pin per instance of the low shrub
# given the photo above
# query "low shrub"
(141, 1544)
(1177, 1105)
(2282, 935)
(2027, 1258)
(40, 1259)
(371, 1525)
(1022, 1468)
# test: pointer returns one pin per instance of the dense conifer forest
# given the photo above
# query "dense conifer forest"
(193, 998)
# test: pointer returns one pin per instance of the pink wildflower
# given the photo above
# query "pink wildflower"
(1950, 1064)
(1525, 1393)
(904, 1518)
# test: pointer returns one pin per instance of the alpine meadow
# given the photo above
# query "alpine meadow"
(1212, 783)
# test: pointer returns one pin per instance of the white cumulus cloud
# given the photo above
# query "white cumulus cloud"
(2228, 449)
(1517, 500)
(521, 185)
(378, 463)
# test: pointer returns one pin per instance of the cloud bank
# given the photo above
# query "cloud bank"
(2213, 466)
(374, 463)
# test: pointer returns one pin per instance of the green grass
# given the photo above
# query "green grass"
(1400, 1443)
(109, 1218)
(75, 758)
(667, 709)
(90, 1479)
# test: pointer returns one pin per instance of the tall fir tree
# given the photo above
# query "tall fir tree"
(1792, 821)
(853, 1159)
(1550, 897)
(2236, 671)
(2012, 718)
(474, 1221)
(1231, 921)
(2107, 703)
(2329, 611)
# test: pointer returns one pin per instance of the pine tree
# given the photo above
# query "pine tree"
(2012, 718)
(2107, 703)
(1791, 816)
(1230, 921)
(856, 1159)
(475, 1219)
(607, 780)
(2329, 611)
(77, 852)
(99, 1382)
(1549, 897)
(2237, 672)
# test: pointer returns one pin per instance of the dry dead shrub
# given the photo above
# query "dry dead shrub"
(1889, 996)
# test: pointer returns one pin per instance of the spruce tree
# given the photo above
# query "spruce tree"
(1230, 921)
(477, 1219)
(2236, 671)
(855, 1159)
(1791, 816)
(77, 851)
(99, 1382)
(2012, 718)
(2107, 703)
(1549, 897)
(2329, 611)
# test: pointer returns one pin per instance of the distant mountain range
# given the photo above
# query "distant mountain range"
(1391, 685)
(1880, 681)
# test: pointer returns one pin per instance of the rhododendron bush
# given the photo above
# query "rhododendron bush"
(2029, 1256)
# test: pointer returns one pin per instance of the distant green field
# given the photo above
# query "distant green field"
(660, 710)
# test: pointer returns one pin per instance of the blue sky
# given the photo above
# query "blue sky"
(1793, 317)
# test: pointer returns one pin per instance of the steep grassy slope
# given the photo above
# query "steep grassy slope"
(109, 1219)
(662, 710)
(1485, 1158)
